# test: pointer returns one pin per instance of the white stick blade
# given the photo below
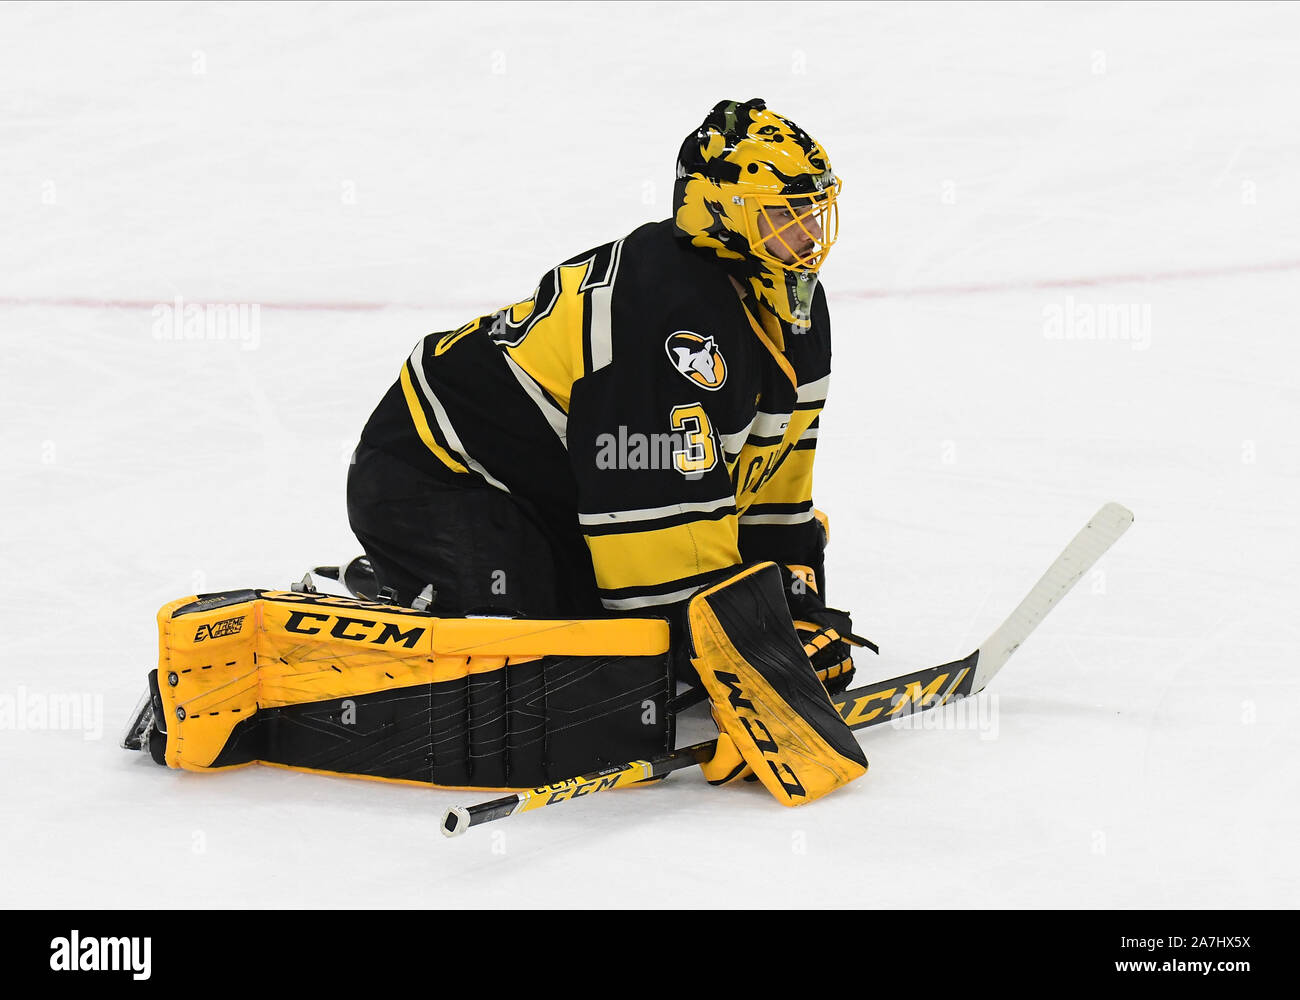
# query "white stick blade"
(1098, 535)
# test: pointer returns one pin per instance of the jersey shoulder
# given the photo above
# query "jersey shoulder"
(664, 287)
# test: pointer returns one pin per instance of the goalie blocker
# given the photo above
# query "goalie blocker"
(346, 686)
(773, 713)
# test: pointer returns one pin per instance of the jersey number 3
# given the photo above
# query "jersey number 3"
(699, 455)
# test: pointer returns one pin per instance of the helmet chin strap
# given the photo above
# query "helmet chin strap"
(800, 286)
(788, 298)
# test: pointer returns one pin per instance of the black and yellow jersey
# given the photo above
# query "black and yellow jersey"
(637, 401)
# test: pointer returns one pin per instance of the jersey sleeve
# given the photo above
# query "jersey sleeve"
(780, 524)
(656, 505)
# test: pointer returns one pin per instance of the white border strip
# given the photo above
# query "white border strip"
(444, 422)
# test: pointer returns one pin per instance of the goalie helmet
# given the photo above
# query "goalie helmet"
(758, 191)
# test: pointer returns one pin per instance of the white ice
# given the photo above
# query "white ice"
(1006, 168)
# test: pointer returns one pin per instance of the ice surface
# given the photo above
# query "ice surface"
(1008, 171)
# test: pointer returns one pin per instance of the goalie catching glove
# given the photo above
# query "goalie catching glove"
(773, 713)
(827, 634)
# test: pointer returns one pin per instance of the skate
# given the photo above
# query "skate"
(357, 575)
(147, 730)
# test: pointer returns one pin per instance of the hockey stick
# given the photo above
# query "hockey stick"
(459, 819)
(930, 688)
(860, 707)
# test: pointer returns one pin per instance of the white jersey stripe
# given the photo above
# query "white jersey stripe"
(814, 391)
(732, 443)
(444, 423)
(554, 415)
(769, 424)
(601, 301)
(632, 603)
(800, 518)
(655, 513)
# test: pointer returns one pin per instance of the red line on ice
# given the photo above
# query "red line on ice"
(1148, 277)
(920, 291)
(84, 303)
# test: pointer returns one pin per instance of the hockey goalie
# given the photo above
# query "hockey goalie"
(579, 513)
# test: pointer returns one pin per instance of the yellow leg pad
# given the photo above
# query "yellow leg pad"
(333, 684)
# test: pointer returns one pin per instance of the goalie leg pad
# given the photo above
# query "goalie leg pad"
(344, 686)
(770, 706)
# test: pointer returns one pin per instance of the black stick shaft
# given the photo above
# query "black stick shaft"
(457, 820)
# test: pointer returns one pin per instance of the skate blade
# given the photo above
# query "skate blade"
(136, 736)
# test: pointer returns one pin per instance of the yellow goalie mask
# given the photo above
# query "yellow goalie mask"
(759, 192)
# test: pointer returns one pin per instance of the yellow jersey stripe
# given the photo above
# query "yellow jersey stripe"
(551, 352)
(422, 425)
(657, 557)
(791, 483)
(445, 426)
(773, 349)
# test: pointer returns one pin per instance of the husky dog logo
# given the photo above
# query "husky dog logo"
(698, 358)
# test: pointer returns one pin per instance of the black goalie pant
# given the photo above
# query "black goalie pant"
(482, 550)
